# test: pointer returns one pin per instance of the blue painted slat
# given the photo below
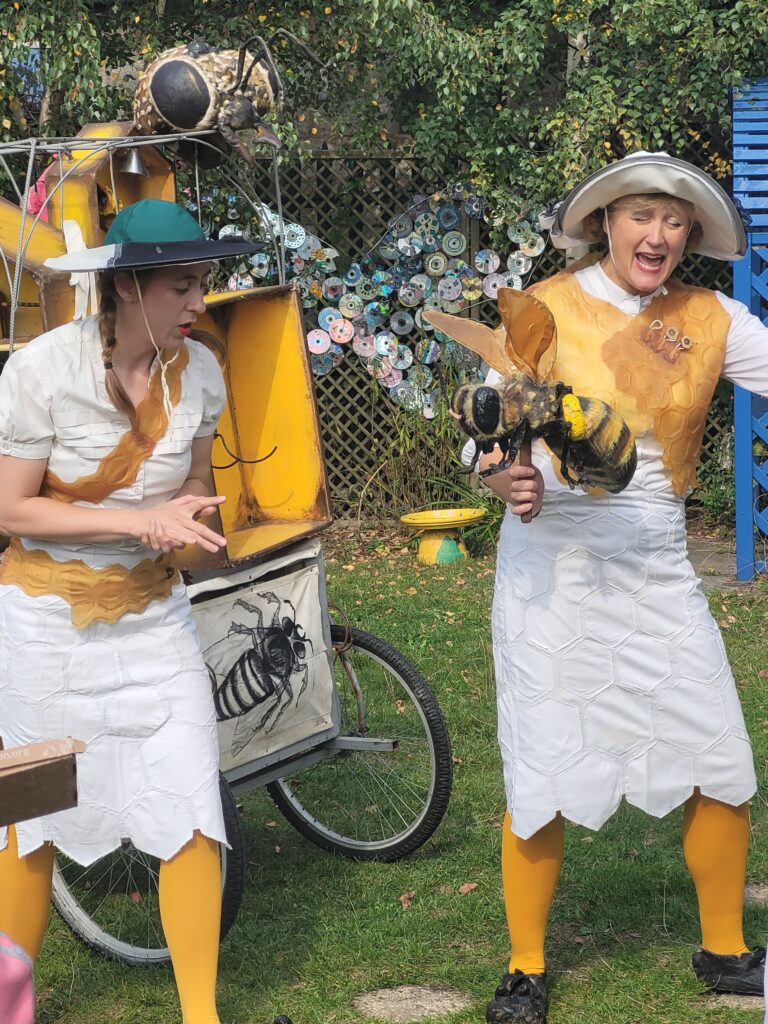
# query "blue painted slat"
(752, 153)
(755, 140)
(748, 170)
(759, 220)
(753, 202)
(750, 112)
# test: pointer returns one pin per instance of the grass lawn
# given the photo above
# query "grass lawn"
(315, 931)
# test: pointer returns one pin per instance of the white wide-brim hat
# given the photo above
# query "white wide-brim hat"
(723, 236)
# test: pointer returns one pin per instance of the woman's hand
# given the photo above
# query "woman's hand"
(522, 487)
(526, 489)
(175, 524)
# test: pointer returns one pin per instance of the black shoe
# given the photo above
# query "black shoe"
(520, 999)
(742, 975)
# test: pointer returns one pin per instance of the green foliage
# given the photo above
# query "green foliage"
(528, 96)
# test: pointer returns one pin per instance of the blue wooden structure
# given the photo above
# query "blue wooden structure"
(750, 286)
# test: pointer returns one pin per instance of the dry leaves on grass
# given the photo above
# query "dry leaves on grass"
(467, 887)
(407, 898)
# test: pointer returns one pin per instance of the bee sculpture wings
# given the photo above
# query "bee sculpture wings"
(593, 443)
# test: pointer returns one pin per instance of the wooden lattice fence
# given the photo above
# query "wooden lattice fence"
(348, 202)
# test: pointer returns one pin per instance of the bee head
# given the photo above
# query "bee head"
(486, 410)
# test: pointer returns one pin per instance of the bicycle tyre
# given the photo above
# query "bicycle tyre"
(307, 821)
(70, 891)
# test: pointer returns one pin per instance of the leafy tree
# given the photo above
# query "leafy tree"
(526, 96)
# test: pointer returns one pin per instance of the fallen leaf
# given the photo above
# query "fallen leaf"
(763, 673)
(467, 887)
(270, 824)
(411, 590)
(457, 760)
(406, 898)
(588, 839)
(579, 940)
(135, 897)
(278, 849)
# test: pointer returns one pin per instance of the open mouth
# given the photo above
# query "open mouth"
(648, 262)
(185, 329)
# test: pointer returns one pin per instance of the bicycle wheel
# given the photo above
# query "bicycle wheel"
(367, 803)
(113, 905)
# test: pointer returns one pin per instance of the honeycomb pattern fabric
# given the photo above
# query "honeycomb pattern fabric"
(612, 678)
(136, 691)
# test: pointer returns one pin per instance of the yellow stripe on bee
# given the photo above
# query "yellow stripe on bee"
(573, 414)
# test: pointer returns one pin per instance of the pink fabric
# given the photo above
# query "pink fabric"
(17, 992)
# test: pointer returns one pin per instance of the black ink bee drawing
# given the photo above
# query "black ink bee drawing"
(266, 672)
(592, 441)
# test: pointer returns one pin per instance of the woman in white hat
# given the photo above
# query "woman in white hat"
(106, 428)
(611, 673)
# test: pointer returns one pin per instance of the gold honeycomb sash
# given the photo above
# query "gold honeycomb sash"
(94, 595)
(120, 467)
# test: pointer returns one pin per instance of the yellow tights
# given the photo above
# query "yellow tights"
(715, 838)
(190, 909)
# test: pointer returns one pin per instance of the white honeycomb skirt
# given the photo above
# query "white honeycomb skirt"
(139, 694)
(612, 678)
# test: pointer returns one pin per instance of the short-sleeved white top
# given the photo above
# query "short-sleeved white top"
(54, 405)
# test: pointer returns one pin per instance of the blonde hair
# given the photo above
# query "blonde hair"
(594, 231)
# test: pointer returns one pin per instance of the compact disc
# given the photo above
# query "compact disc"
(519, 263)
(472, 288)
(336, 352)
(424, 283)
(326, 316)
(427, 224)
(401, 322)
(533, 245)
(436, 264)
(487, 261)
(321, 364)
(366, 289)
(473, 207)
(454, 243)
(353, 275)
(492, 283)
(448, 217)
(260, 263)
(430, 242)
(518, 232)
(386, 344)
(410, 296)
(411, 245)
(294, 236)
(420, 375)
(297, 263)
(350, 305)
(232, 231)
(333, 288)
(375, 313)
(389, 380)
(404, 394)
(318, 342)
(402, 358)
(341, 331)
(428, 350)
(401, 226)
(454, 307)
(365, 346)
(449, 289)
(389, 250)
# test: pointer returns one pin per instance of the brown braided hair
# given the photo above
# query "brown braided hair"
(107, 317)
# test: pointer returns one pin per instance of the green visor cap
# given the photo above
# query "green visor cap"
(153, 233)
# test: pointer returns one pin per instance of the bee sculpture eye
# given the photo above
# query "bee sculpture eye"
(486, 409)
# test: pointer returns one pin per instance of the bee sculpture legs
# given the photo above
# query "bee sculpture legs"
(715, 838)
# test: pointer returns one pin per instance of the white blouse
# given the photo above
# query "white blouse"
(54, 405)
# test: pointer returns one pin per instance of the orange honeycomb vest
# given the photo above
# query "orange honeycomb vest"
(634, 363)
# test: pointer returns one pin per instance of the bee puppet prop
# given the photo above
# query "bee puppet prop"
(593, 443)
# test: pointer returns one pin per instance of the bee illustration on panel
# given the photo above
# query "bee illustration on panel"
(267, 672)
(592, 441)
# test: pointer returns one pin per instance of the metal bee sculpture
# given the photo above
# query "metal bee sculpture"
(265, 671)
(195, 87)
(593, 443)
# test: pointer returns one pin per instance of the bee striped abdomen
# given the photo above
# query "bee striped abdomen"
(607, 453)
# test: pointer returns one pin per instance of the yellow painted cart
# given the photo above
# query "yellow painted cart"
(342, 729)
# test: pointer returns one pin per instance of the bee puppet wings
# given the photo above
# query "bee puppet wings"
(592, 441)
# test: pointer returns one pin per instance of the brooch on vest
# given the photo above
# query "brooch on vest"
(667, 341)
